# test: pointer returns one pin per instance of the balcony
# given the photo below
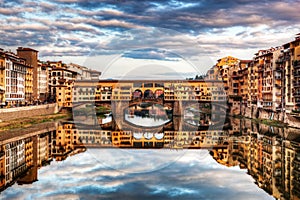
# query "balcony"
(296, 94)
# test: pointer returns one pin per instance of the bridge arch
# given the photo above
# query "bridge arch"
(148, 94)
(159, 93)
(137, 94)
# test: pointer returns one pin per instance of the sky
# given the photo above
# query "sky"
(139, 174)
(185, 36)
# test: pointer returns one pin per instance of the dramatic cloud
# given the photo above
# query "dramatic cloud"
(211, 28)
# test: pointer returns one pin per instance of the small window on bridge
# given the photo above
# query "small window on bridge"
(138, 85)
(159, 85)
(148, 84)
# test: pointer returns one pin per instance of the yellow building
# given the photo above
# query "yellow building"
(87, 91)
(66, 138)
(29, 84)
(64, 94)
(224, 64)
(29, 152)
(62, 82)
(244, 81)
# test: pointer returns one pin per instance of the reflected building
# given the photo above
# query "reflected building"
(23, 152)
(2, 166)
(66, 141)
(271, 155)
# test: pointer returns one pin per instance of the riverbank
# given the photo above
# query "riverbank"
(269, 117)
(9, 114)
(28, 122)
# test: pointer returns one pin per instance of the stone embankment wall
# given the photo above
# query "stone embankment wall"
(258, 113)
(292, 121)
(8, 114)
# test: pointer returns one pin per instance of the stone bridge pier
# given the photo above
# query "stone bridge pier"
(217, 112)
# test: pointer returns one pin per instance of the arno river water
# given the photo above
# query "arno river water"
(245, 160)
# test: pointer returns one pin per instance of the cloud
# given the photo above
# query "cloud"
(196, 28)
(149, 53)
(192, 174)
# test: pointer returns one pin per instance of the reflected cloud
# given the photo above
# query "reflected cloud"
(201, 181)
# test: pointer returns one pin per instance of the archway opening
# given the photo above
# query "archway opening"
(148, 94)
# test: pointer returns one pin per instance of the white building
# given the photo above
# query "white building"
(15, 72)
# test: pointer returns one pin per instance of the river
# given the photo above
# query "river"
(244, 160)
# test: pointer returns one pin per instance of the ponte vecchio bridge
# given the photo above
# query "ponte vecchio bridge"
(178, 95)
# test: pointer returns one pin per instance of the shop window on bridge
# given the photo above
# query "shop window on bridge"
(125, 88)
(159, 85)
(138, 85)
(148, 84)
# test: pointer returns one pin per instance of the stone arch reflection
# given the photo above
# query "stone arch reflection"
(147, 114)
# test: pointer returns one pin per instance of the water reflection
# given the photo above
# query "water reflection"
(148, 115)
(271, 155)
(198, 117)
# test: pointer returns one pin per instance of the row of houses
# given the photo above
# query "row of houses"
(24, 79)
(271, 80)
(166, 90)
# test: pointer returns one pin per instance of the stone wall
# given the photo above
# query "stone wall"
(254, 113)
(8, 114)
(250, 111)
(292, 121)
